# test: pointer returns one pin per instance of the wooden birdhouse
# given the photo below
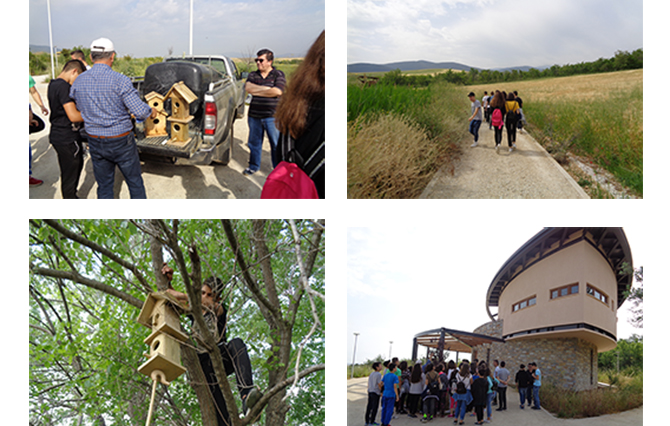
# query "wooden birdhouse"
(181, 97)
(162, 315)
(155, 126)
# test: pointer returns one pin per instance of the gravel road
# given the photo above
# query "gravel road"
(165, 181)
(484, 172)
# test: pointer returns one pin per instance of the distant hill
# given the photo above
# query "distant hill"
(35, 48)
(406, 66)
(422, 65)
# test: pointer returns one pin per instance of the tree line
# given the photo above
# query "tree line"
(622, 60)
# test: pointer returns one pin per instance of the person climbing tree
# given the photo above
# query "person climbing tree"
(234, 353)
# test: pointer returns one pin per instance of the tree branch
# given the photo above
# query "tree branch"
(100, 249)
(96, 285)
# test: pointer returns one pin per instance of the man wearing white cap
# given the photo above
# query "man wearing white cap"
(106, 100)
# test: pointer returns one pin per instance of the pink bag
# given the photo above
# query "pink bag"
(288, 181)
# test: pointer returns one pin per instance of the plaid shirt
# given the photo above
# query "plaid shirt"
(106, 99)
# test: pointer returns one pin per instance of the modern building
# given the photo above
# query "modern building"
(555, 302)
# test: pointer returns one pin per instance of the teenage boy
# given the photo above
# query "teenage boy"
(475, 119)
(66, 121)
(374, 393)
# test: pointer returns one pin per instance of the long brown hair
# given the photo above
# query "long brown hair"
(498, 100)
(308, 84)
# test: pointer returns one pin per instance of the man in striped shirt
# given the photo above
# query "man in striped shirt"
(266, 85)
(106, 100)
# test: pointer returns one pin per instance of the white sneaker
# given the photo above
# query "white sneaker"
(511, 149)
(474, 144)
(514, 145)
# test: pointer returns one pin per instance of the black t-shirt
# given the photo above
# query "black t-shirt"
(61, 131)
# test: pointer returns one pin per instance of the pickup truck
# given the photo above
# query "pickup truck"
(219, 88)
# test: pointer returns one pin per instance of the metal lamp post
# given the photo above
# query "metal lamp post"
(353, 359)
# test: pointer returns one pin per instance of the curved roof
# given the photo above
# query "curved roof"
(611, 243)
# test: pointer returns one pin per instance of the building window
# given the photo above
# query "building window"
(524, 303)
(564, 291)
(592, 291)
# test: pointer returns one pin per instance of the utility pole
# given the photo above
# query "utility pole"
(190, 38)
(353, 359)
(390, 347)
(51, 41)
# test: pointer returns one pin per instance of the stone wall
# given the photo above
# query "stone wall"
(572, 363)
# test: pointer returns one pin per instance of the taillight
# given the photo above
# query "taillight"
(210, 118)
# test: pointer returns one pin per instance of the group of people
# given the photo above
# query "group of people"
(500, 110)
(444, 389)
(96, 105)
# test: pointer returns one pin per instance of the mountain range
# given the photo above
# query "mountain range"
(422, 65)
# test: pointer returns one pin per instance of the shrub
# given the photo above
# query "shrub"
(591, 403)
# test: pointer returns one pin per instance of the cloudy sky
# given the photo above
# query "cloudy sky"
(492, 33)
(400, 277)
(149, 27)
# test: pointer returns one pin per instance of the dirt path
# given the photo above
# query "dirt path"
(484, 172)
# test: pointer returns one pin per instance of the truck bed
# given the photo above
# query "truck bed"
(160, 146)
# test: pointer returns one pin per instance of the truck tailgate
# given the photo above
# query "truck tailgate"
(160, 146)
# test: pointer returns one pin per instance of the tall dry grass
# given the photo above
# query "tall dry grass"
(393, 150)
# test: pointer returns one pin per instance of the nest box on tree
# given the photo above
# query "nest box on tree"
(181, 98)
(155, 126)
(160, 313)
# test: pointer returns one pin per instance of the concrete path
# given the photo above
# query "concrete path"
(484, 172)
(357, 397)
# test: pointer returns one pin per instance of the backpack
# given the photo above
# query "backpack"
(497, 118)
(289, 179)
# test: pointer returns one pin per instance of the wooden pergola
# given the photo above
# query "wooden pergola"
(451, 340)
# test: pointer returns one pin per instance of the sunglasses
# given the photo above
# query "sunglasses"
(259, 60)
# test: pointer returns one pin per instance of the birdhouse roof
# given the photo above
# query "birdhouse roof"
(148, 308)
(182, 91)
(152, 95)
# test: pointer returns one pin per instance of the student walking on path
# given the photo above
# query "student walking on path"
(476, 117)
(511, 119)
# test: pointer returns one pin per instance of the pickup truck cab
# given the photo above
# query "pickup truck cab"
(219, 88)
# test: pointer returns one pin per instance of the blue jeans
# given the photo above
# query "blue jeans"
(536, 396)
(258, 126)
(522, 396)
(106, 154)
(474, 128)
(388, 402)
(489, 399)
(461, 406)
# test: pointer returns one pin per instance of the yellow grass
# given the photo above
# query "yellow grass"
(576, 88)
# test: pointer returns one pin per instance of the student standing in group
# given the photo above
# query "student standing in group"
(374, 393)
(390, 394)
(523, 381)
(511, 119)
(66, 121)
(503, 377)
(479, 394)
(476, 117)
(416, 383)
(462, 393)
(537, 382)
